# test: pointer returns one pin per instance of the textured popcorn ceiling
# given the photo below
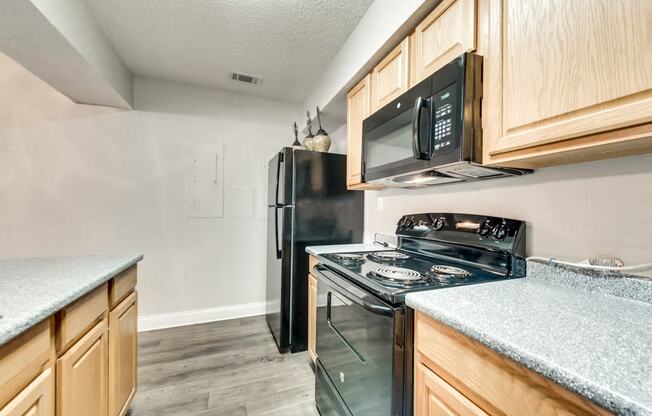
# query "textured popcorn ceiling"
(288, 42)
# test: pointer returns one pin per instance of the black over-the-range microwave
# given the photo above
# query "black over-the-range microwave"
(432, 133)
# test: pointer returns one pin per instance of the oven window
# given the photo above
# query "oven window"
(355, 347)
(389, 142)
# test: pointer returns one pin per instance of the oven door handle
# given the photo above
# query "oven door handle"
(351, 292)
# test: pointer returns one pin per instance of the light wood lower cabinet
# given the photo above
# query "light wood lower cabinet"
(312, 317)
(81, 361)
(82, 375)
(435, 397)
(455, 375)
(37, 399)
(22, 359)
(123, 346)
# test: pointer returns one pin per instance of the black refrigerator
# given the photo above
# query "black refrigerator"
(308, 204)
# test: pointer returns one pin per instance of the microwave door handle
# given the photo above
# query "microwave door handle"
(416, 123)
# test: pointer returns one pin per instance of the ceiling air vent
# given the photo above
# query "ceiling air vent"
(246, 78)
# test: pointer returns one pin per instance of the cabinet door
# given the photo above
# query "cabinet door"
(358, 108)
(390, 78)
(435, 397)
(37, 399)
(449, 31)
(566, 69)
(312, 317)
(123, 344)
(82, 375)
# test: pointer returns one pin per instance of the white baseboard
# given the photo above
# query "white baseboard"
(199, 316)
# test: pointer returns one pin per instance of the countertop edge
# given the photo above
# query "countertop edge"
(41, 314)
(592, 392)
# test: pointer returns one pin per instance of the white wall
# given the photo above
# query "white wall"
(338, 140)
(80, 179)
(590, 210)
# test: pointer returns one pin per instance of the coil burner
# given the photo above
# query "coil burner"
(398, 275)
(388, 256)
(349, 257)
(449, 271)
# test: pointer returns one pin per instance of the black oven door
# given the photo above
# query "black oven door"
(397, 138)
(355, 349)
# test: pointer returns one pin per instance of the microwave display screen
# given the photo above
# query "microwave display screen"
(389, 142)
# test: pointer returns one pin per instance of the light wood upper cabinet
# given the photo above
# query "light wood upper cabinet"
(123, 344)
(560, 70)
(358, 108)
(435, 397)
(82, 375)
(37, 399)
(449, 31)
(390, 78)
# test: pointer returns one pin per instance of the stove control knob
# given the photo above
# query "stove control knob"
(438, 224)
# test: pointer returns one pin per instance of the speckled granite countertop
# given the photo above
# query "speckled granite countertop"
(31, 289)
(591, 334)
(345, 248)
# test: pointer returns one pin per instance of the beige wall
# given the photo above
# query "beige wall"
(599, 209)
(78, 179)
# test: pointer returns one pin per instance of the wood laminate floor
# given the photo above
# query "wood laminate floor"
(228, 368)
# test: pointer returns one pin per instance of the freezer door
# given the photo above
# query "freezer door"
(279, 274)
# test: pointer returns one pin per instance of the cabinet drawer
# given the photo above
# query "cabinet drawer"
(76, 319)
(22, 359)
(121, 286)
(37, 399)
(495, 383)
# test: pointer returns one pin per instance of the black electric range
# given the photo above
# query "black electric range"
(394, 273)
(364, 329)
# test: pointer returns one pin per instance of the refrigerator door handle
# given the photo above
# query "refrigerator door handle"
(279, 160)
(278, 249)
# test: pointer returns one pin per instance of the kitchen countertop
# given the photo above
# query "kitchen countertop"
(590, 334)
(345, 248)
(31, 289)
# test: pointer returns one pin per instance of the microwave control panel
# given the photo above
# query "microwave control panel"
(443, 126)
